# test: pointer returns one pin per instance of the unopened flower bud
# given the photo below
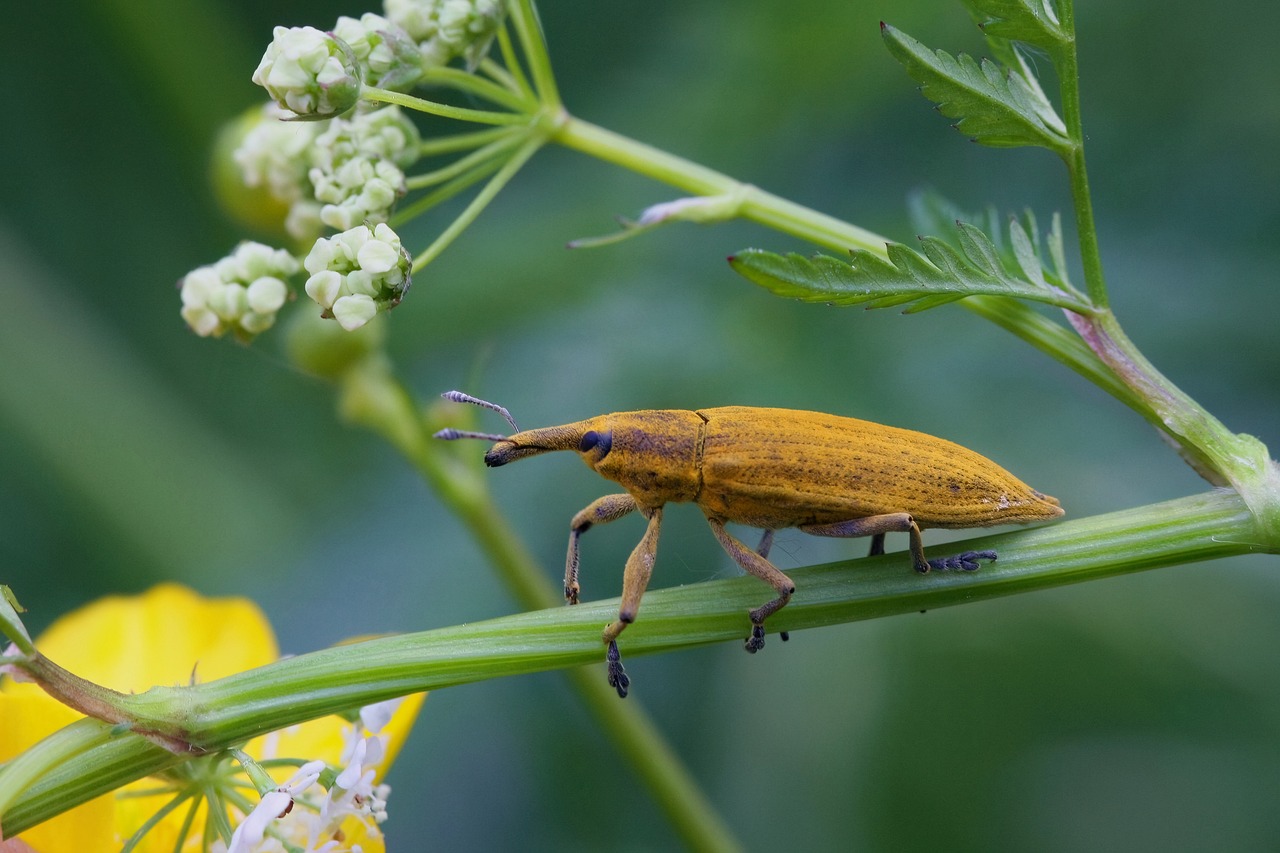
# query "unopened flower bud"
(446, 29)
(309, 72)
(357, 273)
(390, 58)
(241, 293)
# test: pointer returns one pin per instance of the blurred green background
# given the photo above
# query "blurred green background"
(1141, 713)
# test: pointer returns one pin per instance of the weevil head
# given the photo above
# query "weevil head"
(651, 454)
(531, 442)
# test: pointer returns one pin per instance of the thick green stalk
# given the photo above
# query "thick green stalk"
(222, 713)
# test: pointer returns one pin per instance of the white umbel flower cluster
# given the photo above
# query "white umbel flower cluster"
(357, 273)
(447, 29)
(340, 174)
(240, 293)
(309, 72)
(356, 171)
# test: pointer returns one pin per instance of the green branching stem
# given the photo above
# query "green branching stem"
(222, 713)
(753, 203)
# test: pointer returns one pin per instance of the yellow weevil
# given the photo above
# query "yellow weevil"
(770, 468)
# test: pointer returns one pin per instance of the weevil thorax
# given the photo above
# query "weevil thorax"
(652, 454)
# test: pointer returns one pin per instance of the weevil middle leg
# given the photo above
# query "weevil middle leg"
(754, 563)
(763, 549)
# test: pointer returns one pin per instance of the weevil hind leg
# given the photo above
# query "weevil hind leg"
(635, 579)
(754, 563)
(600, 511)
(876, 526)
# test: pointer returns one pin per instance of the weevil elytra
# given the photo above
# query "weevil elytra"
(770, 468)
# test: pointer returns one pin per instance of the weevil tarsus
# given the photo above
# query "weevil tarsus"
(618, 679)
(966, 562)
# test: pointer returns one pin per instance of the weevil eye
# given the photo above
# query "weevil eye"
(601, 442)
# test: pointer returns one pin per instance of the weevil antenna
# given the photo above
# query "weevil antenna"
(451, 434)
(460, 397)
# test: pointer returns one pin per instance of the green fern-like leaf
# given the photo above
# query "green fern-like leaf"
(938, 274)
(1033, 22)
(991, 104)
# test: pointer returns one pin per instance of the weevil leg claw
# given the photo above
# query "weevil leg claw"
(618, 679)
(966, 562)
(784, 636)
(755, 642)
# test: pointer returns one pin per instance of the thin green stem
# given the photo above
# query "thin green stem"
(506, 79)
(524, 17)
(1208, 526)
(438, 145)
(493, 151)
(387, 96)
(480, 87)
(512, 63)
(479, 203)
(1069, 83)
(754, 203)
(443, 193)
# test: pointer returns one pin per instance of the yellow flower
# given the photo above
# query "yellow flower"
(170, 635)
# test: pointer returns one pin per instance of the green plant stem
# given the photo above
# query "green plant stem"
(524, 18)
(1087, 230)
(421, 105)
(222, 713)
(480, 202)
(754, 203)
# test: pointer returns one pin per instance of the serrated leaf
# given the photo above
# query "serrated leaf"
(1030, 21)
(991, 105)
(908, 278)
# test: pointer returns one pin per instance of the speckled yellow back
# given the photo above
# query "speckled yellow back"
(780, 468)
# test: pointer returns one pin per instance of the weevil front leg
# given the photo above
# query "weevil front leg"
(876, 526)
(753, 563)
(602, 511)
(635, 579)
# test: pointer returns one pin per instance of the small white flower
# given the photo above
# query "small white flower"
(390, 58)
(354, 311)
(309, 72)
(357, 273)
(271, 154)
(447, 29)
(273, 806)
(356, 169)
(240, 293)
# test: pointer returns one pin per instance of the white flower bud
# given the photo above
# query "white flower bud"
(357, 273)
(447, 29)
(309, 72)
(240, 293)
(390, 58)
(354, 311)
